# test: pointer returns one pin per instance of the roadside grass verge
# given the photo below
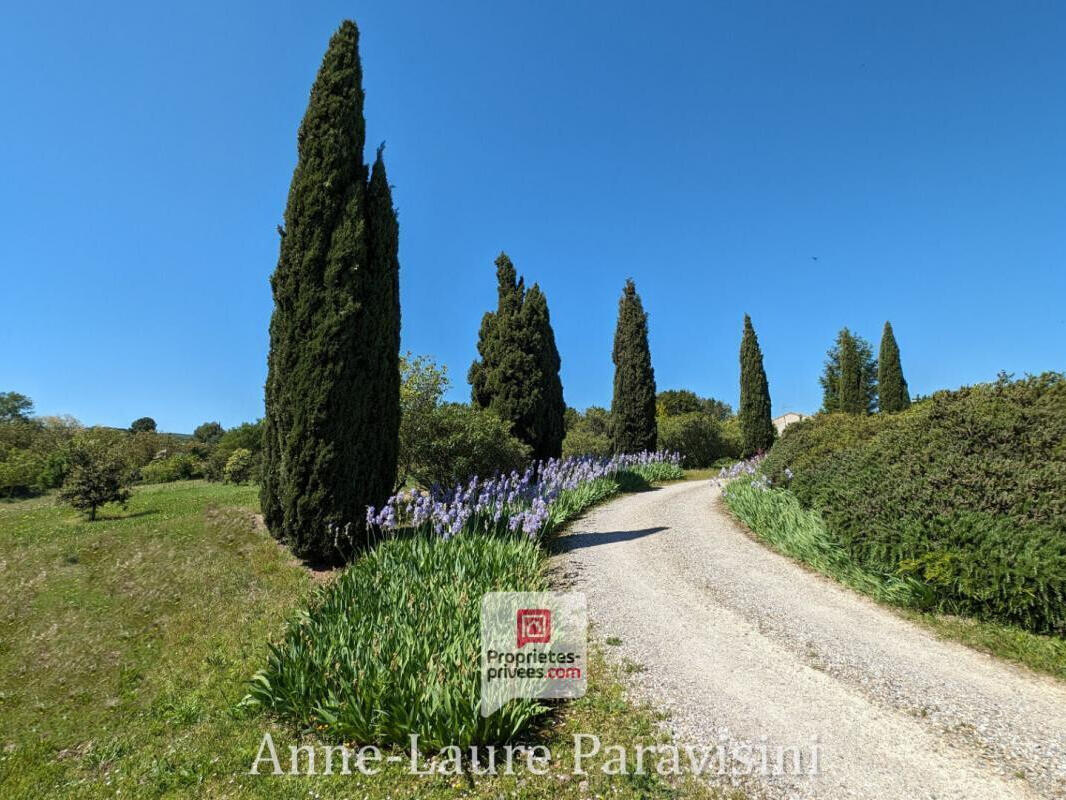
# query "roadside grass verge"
(392, 647)
(126, 646)
(776, 517)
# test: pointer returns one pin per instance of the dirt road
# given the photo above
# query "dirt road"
(744, 648)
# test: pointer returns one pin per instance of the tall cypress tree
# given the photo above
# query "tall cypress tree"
(550, 427)
(891, 385)
(332, 390)
(756, 422)
(633, 425)
(849, 380)
(517, 375)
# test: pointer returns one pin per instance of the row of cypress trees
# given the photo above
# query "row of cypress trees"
(855, 382)
(333, 383)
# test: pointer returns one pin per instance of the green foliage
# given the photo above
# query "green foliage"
(806, 445)
(732, 438)
(588, 434)
(517, 375)
(444, 443)
(673, 402)
(633, 424)
(892, 394)
(695, 435)
(332, 390)
(777, 517)
(422, 387)
(461, 441)
(15, 407)
(849, 379)
(356, 666)
(143, 425)
(96, 475)
(178, 467)
(239, 466)
(966, 489)
(208, 433)
(756, 422)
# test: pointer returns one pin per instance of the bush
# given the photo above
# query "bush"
(180, 467)
(239, 466)
(588, 434)
(732, 439)
(462, 441)
(695, 436)
(952, 489)
(364, 664)
(143, 425)
(812, 442)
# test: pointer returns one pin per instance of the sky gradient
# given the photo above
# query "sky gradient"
(814, 165)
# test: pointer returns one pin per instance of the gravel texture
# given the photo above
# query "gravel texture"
(743, 647)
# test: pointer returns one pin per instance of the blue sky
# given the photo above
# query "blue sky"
(711, 151)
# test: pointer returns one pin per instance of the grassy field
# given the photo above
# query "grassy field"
(126, 646)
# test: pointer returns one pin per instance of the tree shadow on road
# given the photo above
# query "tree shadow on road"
(581, 539)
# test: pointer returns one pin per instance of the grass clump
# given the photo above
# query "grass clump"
(777, 517)
(392, 647)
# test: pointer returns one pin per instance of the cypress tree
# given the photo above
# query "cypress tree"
(849, 380)
(550, 427)
(332, 390)
(891, 385)
(633, 425)
(756, 423)
(517, 375)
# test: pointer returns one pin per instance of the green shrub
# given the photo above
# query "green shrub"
(814, 441)
(695, 435)
(966, 489)
(588, 434)
(239, 466)
(462, 441)
(732, 439)
(180, 467)
(392, 647)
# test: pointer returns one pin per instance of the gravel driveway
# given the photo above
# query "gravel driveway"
(742, 647)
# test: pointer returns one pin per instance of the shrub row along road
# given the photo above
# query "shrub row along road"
(737, 643)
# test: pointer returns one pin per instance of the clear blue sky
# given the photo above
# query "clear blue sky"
(708, 150)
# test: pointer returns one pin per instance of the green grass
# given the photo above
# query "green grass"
(776, 517)
(127, 644)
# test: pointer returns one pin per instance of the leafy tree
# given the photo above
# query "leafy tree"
(517, 374)
(849, 380)
(633, 426)
(696, 436)
(588, 434)
(208, 433)
(756, 423)
(891, 385)
(332, 390)
(143, 425)
(15, 407)
(239, 466)
(463, 441)
(422, 387)
(96, 475)
(672, 402)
